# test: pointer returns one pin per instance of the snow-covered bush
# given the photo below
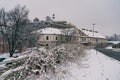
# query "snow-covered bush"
(68, 52)
(45, 63)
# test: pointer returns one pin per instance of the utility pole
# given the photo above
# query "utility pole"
(94, 37)
(93, 30)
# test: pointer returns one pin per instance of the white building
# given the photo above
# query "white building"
(92, 37)
(52, 35)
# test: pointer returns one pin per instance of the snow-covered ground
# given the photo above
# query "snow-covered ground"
(113, 49)
(4, 55)
(96, 66)
(109, 47)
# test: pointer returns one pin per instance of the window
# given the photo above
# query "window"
(56, 38)
(47, 44)
(47, 38)
(83, 39)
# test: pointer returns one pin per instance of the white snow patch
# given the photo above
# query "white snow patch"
(114, 42)
(96, 67)
(49, 31)
(12, 70)
(2, 65)
(113, 49)
(109, 47)
(15, 59)
(4, 55)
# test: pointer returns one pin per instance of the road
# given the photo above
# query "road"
(110, 53)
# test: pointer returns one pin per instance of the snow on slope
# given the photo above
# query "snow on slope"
(4, 55)
(97, 66)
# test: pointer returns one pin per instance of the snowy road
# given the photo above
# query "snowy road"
(114, 53)
(96, 66)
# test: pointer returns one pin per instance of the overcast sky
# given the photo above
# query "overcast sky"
(82, 13)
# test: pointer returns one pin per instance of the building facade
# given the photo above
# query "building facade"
(92, 37)
(53, 36)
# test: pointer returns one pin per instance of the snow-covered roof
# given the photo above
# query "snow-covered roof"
(49, 30)
(114, 42)
(90, 33)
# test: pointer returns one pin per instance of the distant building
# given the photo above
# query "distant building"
(92, 37)
(52, 35)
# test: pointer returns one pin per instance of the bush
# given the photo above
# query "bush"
(42, 62)
(116, 45)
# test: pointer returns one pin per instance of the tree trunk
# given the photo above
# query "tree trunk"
(3, 47)
(11, 53)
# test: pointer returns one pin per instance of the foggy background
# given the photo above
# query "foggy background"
(82, 13)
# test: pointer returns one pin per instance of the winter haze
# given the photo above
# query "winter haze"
(83, 13)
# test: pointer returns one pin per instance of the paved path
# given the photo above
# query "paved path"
(110, 53)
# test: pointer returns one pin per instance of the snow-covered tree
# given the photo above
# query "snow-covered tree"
(114, 37)
(36, 20)
(13, 26)
(48, 18)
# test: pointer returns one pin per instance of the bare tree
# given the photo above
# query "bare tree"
(68, 33)
(32, 40)
(36, 20)
(114, 37)
(13, 26)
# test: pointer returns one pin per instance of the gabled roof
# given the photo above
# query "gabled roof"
(48, 30)
(92, 33)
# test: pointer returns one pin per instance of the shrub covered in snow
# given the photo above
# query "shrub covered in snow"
(116, 45)
(43, 63)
